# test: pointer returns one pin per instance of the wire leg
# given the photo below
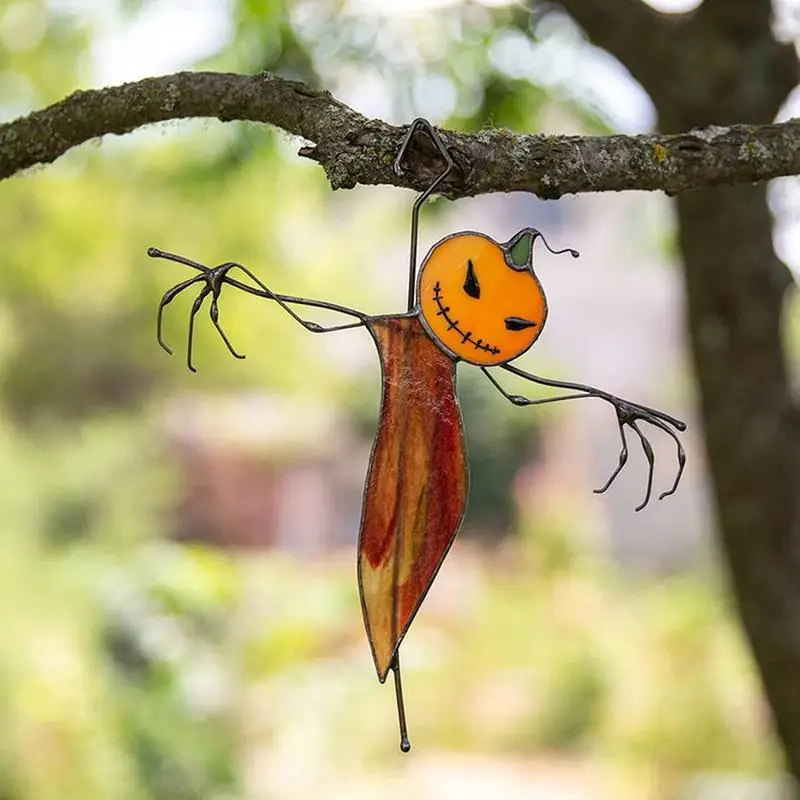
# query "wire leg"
(405, 744)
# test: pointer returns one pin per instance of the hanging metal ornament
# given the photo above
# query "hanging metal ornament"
(473, 300)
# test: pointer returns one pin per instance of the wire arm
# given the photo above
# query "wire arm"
(520, 400)
(420, 124)
(215, 277)
(589, 391)
(628, 414)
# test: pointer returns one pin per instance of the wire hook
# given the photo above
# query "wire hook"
(420, 124)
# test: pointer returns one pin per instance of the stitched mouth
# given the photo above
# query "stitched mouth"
(452, 324)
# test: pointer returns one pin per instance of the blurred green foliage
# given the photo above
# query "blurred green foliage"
(134, 667)
(112, 640)
(508, 658)
(38, 64)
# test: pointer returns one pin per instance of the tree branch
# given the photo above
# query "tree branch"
(355, 150)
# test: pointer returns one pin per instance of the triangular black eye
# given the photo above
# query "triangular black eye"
(471, 286)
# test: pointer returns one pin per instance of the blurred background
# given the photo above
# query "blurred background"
(177, 551)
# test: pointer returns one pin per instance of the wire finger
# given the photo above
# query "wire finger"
(214, 313)
(195, 308)
(623, 458)
(681, 456)
(166, 299)
(651, 460)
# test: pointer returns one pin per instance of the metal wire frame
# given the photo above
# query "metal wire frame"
(628, 414)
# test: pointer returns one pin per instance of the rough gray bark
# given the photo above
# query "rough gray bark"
(353, 149)
(725, 65)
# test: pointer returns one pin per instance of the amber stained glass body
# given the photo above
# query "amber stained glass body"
(416, 488)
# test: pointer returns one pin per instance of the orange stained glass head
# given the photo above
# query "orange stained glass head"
(480, 300)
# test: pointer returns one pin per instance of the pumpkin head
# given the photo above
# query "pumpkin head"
(480, 300)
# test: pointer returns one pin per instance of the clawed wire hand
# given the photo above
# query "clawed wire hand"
(630, 414)
(214, 278)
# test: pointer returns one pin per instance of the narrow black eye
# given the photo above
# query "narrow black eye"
(519, 324)
(471, 282)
